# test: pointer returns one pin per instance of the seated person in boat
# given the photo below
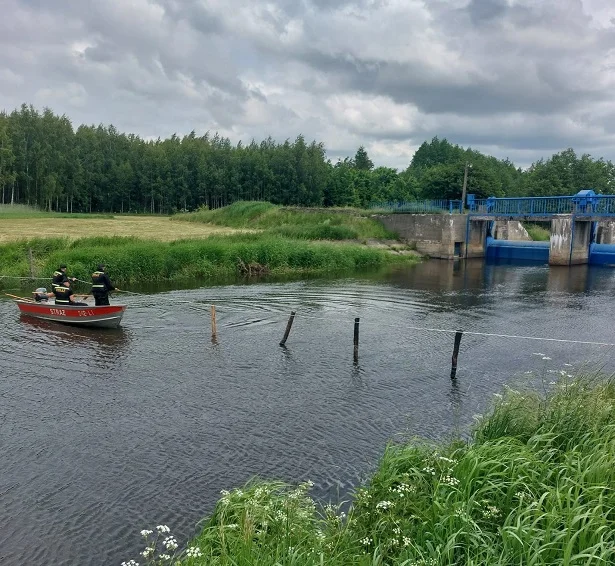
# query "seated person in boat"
(59, 277)
(66, 296)
(101, 285)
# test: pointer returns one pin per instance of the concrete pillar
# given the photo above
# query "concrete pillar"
(605, 232)
(477, 234)
(510, 230)
(569, 243)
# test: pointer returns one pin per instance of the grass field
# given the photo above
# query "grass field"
(15, 227)
(293, 222)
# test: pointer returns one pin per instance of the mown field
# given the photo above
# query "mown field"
(159, 228)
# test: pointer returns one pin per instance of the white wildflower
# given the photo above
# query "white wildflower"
(130, 563)
(491, 512)
(146, 532)
(170, 543)
(163, 529)
(194, 552)
(365, 541)
(429, 470)
(445, 459)
(449, 480)
(384, 505)
(407, 541)
(165, 557)
(148, 551)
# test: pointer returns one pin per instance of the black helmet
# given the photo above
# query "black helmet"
(63, 266)
(101, 267)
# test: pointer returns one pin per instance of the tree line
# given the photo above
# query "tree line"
(45, 162)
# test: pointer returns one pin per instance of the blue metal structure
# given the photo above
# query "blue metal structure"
(419, 206)
(516, 250)
(584, 203)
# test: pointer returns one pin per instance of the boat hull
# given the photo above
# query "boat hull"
(91, 317)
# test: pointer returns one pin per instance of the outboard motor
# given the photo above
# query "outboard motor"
(40, 295)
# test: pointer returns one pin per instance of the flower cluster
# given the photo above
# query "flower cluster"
(384, 505)
(491, 512)
(449, 480)
(170, 543)
(429, 470)
(364, 541)
(402, 489)
(161, 529)
(194, 552)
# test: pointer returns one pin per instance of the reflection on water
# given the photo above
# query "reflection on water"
(106, 432)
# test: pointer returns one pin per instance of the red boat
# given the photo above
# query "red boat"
(93, 317)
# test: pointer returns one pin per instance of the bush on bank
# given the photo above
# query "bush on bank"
(536, 485)
(132, 260)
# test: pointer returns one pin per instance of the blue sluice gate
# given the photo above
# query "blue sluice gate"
(602, 254)
(517, 250)
(538, 252)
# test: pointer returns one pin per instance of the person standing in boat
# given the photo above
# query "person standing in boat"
(66, 296)
(59, 277)
(101, 285)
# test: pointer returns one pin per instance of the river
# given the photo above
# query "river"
(105, 433)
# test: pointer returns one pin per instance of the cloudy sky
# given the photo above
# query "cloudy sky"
(515, 78)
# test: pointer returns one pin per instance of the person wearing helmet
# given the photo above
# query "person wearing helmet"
(101, 285)
(59, 277)
(66, 296)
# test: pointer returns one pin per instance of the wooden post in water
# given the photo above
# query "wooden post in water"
(356, 340)
(31, 261)
(458, 336)
(214, 331)
(288, 327)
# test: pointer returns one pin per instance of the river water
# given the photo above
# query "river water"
(105, 433)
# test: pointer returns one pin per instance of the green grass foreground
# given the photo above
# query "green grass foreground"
(534, 486)
(130, 260)
(299, 223)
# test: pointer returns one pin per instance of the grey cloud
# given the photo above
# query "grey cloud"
(253, 69)
(486, 10)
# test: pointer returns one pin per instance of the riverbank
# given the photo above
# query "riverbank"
(245, 238)
(533, 486)
(133, 260)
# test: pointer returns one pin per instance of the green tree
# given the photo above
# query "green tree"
(362, 162)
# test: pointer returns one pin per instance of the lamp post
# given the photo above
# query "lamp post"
(465, 185)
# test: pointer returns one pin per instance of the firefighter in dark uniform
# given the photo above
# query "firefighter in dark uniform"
(101, 285)
(59, 277)
(65, 296)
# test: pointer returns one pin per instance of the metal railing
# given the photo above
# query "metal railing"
(599, 205)
(419, 206)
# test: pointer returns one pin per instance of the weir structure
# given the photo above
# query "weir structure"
(582, 228)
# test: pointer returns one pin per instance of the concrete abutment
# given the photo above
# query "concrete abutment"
(449, 236)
